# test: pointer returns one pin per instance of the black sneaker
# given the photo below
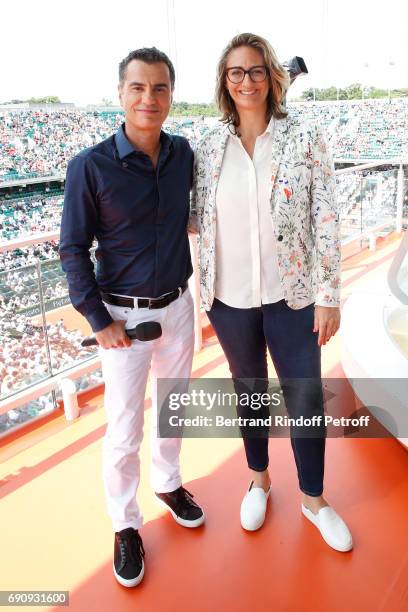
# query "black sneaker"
(182, 507)
(128, 565)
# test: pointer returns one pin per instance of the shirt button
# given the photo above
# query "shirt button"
(280, 237)
(125, 164)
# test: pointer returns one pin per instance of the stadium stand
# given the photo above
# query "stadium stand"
(37, 143)
(32, 215)
(25, 256)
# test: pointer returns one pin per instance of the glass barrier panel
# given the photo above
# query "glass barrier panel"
(34, 409)
(367, 200)
(23, 355)
(349, 204)
(66, 327)
(379, 198)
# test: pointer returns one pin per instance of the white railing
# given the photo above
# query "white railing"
(23, 241)
(52, 383)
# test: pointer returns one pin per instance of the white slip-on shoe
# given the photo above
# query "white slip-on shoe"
(332, 527)
(253, 507)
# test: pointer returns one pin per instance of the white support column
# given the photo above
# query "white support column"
(400, 199)
(70, 399)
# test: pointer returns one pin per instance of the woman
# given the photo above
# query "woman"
(264, 206)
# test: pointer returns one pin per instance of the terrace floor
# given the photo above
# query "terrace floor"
(55, 533)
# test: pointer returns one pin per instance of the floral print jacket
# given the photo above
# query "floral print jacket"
(303, 208)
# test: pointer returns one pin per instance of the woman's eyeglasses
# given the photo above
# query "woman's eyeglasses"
(257, 74)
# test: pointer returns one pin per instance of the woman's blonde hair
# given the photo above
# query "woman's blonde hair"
(278, 78)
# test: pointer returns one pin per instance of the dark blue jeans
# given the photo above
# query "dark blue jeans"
(245, 334)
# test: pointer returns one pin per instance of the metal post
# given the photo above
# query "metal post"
(380, 188)
(44, 320)
(390, 63)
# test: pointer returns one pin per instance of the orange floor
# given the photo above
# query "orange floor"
(56, 535)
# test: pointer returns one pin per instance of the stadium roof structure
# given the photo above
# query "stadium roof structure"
(32, 180)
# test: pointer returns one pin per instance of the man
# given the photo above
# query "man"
(131, 192)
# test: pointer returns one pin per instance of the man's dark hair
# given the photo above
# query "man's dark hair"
(149, 55)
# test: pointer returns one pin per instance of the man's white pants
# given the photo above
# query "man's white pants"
(125, 372)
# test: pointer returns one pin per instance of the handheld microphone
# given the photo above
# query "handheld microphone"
(150, 330)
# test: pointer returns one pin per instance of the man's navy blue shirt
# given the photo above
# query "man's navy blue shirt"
(138, 215)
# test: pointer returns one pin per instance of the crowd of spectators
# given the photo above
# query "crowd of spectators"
(22, 287)
(27, 256)
(25, 292)
(361, 129)
(35, 214)
(41, 142)
(23, 355)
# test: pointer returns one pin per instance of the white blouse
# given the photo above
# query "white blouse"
(247, 267)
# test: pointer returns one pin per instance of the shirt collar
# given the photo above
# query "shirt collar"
(268, 130)
(122, 144)
(124, 147)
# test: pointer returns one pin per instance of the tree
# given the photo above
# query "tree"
(351, 92)
(44, 100)
(187, 109)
